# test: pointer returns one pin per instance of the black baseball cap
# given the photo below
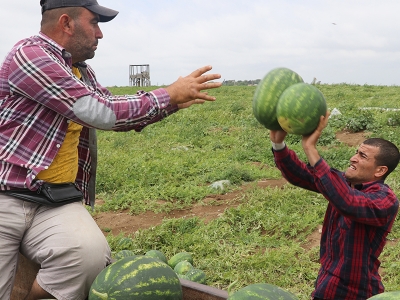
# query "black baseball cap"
(105, 14)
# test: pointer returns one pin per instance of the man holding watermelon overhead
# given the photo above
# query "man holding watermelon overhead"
(360, 213)
(51, 105)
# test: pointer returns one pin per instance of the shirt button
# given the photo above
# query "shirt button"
(46, 167)
(33, 176)
(58, 146)
(68, 121)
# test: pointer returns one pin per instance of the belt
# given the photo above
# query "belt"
(51, 194)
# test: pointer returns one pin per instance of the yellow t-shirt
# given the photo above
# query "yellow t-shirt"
(65, 165)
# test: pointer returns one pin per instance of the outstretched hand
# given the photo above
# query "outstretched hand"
(189, 90)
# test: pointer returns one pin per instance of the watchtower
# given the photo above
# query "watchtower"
(139, 75)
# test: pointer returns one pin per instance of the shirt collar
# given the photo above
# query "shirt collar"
(361, 186)
(58, 48)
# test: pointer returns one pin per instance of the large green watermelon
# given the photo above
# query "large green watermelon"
(139, 277)
(267, 94)
(387, 296)
(262, 291)
(299, 108)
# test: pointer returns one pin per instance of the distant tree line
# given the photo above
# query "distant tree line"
(240, 82)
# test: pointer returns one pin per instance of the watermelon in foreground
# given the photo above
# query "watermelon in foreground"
(300, 107)
(263, 291)
(387, 296)
(267, 94)
(139, 277)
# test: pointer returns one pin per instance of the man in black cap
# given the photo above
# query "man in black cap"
(50, 107)
(105, 14)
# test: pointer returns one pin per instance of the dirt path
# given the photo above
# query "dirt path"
(117, 222)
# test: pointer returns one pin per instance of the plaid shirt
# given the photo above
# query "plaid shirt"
(355, 227)
(39, 95)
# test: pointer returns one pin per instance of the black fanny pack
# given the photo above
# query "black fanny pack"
(51, 194)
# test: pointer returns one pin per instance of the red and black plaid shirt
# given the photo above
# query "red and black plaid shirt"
(354, 231)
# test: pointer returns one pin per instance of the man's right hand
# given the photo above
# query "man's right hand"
(190, 88)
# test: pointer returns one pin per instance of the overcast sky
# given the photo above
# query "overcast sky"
(336, 41)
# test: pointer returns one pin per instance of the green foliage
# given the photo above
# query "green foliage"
(362, 120)
(171, 164)
(337, 122)
(391, 265)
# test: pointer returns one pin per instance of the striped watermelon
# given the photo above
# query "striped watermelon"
(139, 277)
(182, 276)
(262, 291)
(181, 256)
(123, 254)
(300, 107)
(157, 254)
(196, 275)
(394, 295)
(183, 267)
(125, 243)
(267, 94)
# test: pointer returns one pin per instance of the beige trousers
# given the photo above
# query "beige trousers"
(65, 241)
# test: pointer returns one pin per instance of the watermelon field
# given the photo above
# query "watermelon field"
(194, 158)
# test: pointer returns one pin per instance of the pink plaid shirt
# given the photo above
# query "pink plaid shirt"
(39, 94)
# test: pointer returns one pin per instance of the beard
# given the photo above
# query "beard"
(83, 47)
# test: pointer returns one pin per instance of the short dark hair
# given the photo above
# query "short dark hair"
(388, 155)
(51, 16)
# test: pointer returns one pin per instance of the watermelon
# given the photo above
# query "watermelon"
(262, 291)
(196, 275)
(299, 108)
(267, 94)
(125, 243)
(182, 276)
(139, 277)
(157, 254)
(183, 267)
(387, 296)
(181, 256)
(123, 254)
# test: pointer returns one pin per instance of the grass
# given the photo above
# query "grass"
(263, 239)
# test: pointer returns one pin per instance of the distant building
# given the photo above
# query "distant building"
(139, 75)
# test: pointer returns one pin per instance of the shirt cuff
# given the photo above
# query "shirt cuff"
(278, 146)
(164, 101)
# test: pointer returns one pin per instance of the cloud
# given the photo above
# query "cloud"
(242, 40)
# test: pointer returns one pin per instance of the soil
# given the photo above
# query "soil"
(123, 222)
